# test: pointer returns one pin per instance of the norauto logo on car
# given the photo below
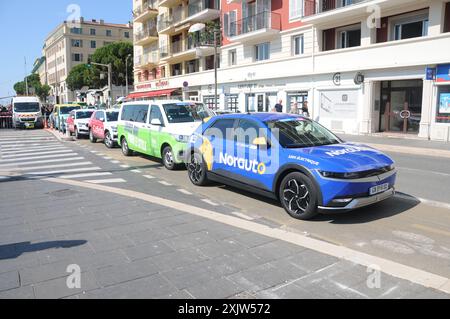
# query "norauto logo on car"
(244, 164)
(348, 150)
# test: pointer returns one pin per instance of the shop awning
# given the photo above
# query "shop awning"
(140, 95)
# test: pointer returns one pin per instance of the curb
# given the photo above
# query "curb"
(59, 137)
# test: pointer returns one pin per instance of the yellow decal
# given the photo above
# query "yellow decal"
(207, 151)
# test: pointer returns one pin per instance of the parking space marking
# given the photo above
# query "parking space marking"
(240, 215)
(424, 201)
(125, 166)
(165, 183)
(87, 175)
(107, 158)
(184, 191)
(107, 181)
(149, 176)
(136, 171)
(389, 267)
(115, 162)
(210, 202)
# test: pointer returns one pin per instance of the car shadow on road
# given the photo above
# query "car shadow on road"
(13, 251)
(388, 208)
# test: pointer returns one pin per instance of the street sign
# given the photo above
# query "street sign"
(431, 74)
(337, 79)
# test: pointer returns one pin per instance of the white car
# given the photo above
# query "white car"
(103, 126)
(78, 122)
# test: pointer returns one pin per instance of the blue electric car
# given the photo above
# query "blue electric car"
(292, 159)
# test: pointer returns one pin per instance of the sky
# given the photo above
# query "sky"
(25, 25)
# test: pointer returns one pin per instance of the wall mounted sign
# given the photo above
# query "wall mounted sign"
(337, 79)
(443, 73)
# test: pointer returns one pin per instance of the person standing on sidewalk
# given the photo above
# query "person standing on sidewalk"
(279, 107)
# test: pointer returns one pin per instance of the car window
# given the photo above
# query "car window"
(223, 127)
(99, 115)
(155, 113)
(140, 113)
(83, 115)
(302, 133)
(247, 131)
(177, 113)
(112, 116)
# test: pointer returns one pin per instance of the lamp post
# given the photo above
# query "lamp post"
(197, 28)
(109, 66)
(126, 72)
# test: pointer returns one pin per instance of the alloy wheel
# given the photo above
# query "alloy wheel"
(296, 196)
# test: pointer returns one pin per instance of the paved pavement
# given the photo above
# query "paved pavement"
(132, 248)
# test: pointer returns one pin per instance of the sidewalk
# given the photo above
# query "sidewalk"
(135, 249)
(401, 145)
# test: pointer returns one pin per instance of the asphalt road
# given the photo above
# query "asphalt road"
(405, 229)
(402, 229)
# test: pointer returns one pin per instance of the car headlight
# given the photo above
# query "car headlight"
(114, 128)
(339, 175)
(181, 138)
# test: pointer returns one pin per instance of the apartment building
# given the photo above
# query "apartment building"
(164, 48)
(363, 66)
(71, 44)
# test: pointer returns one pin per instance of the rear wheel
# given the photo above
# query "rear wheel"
(168, 158)
(125, 150)
(298, 196)
(109, 142)
(77, 136)
(197, 170)
(92, 137)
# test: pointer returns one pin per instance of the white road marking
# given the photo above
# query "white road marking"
(43, 162)
(424, 201)
(115, 162)
(17, 160)
(184, 191)
(25, 143)
(107, 181)
(210, 202)
(125, 166)
(423, 171)
(165, 183)
(86, 175)
(389, 267)
(94, 152)
(240, 215)
(26, 147)
(26, 155)
(87, 169)
(149, 176)
(136, 171)
(54, 166)
(107, 158)
(37, 150)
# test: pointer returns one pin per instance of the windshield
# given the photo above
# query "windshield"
(112, 116)
(84, 115)
(199, 111)
(177, 113)
(301, 133)
(26, 107)
(67, 110)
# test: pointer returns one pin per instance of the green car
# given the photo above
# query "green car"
(60, 115)
(161, 129)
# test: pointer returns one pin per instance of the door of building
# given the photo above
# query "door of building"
(402, 106)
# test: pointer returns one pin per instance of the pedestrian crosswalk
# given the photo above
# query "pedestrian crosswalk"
(38, 154)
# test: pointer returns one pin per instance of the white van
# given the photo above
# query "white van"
(160, 129)
(27, 112)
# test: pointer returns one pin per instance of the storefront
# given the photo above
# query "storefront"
(443, 94)
(401, 106)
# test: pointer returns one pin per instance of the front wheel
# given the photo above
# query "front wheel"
(92, 137)
(298, 196)
(197, 170)
(109, 142)
(77, 136)
(168, 158)
(125, 150)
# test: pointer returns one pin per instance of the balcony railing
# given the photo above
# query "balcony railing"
(147, 5)
(312, 7)
(146, 59)
(200, 5)
(263, 20)
(145, 34)
(164, 22)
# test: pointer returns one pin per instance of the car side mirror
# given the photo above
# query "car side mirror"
(156, 122)
(102, 119)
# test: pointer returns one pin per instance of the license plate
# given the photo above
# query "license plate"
(379, 189)
(29, 125)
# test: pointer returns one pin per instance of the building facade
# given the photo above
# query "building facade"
(71, 44)
(362, 66)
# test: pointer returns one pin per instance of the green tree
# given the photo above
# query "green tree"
(80, 76)
(115, 53)
(34, 84)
